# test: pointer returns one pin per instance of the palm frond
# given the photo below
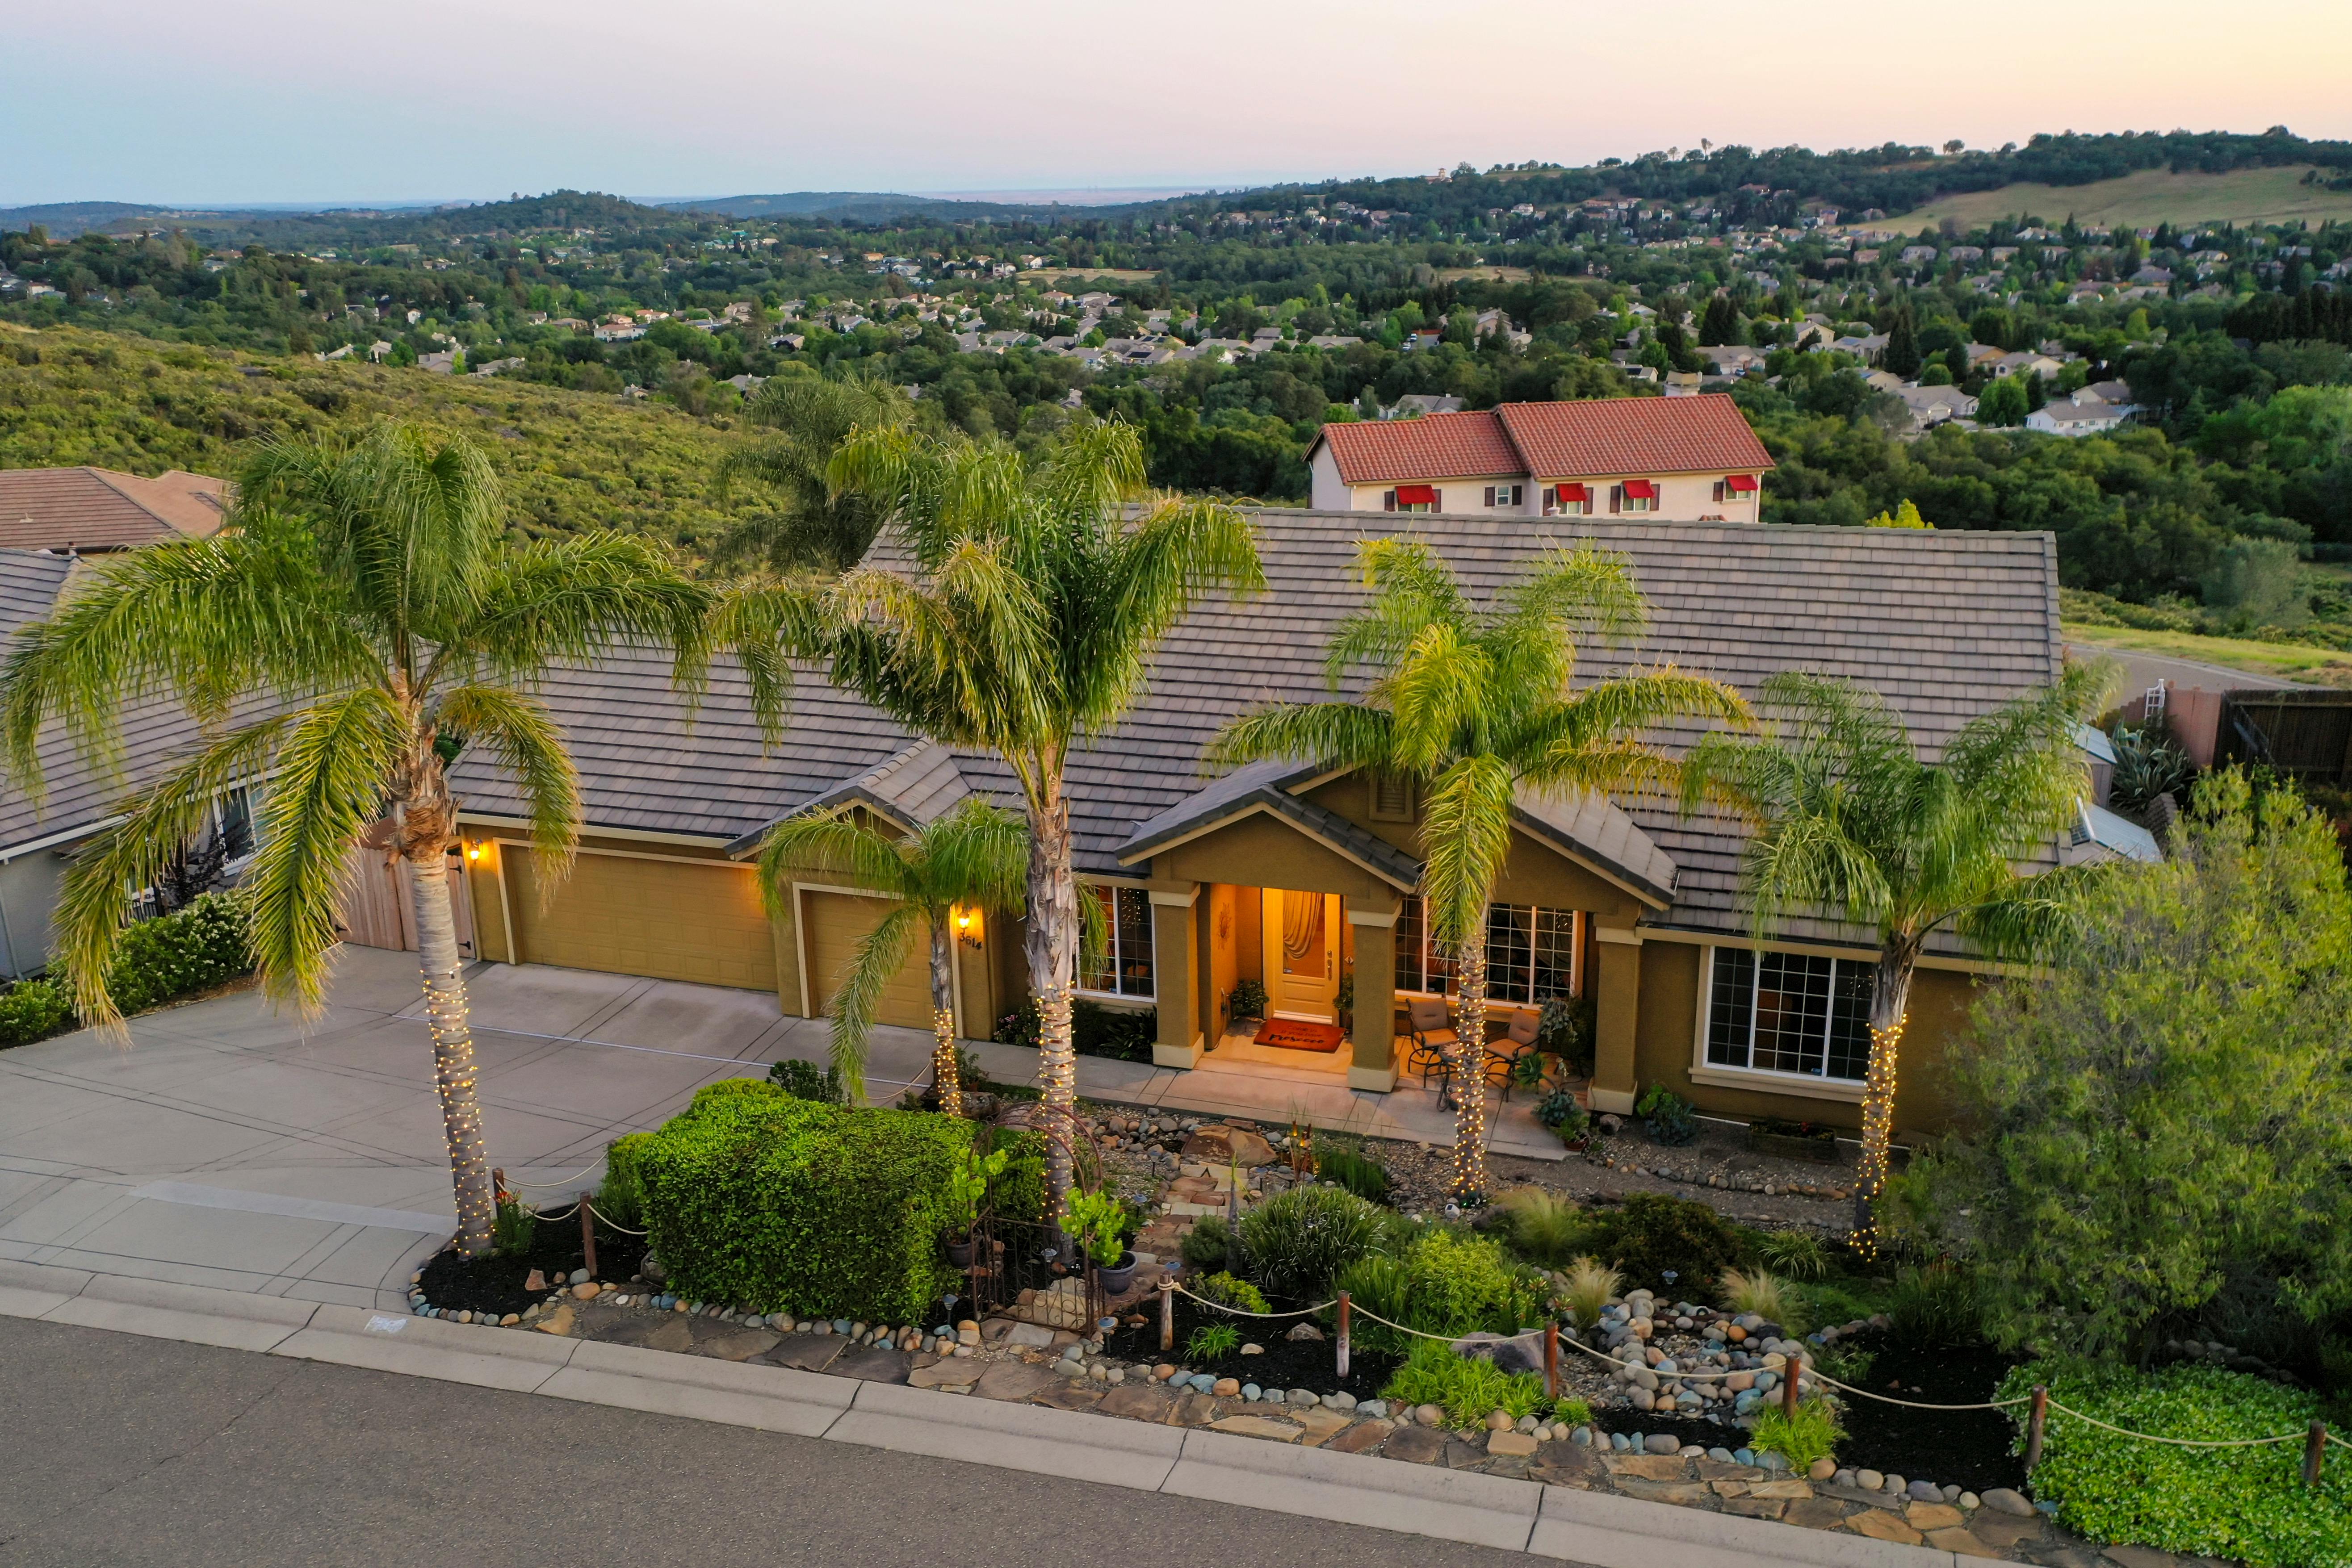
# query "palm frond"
(1335, 735)
(529, 748)
(1585, 589)
(767, 627)
(94, 900)
(1150, 577)
(327, 788)
(577, 599)
(1465, 838)
(834, 842)
(857, 999)
(975, 854)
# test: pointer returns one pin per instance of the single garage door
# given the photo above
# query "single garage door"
(835, 923)
(671, 919)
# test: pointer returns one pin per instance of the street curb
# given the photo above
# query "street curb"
(1593, 1528)
(1353, 1489)
(1007, 1435)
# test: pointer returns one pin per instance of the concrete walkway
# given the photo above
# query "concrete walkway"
(231, 1146)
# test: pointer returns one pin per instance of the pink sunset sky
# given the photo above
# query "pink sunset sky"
(269, 100)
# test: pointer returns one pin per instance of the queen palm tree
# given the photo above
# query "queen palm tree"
(803, 420)
(974, 857)
(1853, 821)
(366, 601)
(1030, 599)
(1477, 704)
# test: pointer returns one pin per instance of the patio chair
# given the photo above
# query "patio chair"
(1432, 1023)
(1504, 1054)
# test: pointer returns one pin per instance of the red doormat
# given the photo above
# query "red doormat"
(1296, 1034)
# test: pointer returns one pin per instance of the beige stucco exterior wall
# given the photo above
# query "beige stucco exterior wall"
(1682, 498)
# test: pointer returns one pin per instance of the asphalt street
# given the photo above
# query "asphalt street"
(118, 1449)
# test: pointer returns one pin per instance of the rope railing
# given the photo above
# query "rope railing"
(1913, 1404)
(557, 1186)
(1246, 1312)
(2187, 1442)
(615, 1224)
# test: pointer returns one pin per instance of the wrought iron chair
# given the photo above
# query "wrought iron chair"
(1434, 1039)
(1504, 1054)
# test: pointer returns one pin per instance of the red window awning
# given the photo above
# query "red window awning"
(1641, 491)
(1416, 494)
(1741, 484)
(1572, 495)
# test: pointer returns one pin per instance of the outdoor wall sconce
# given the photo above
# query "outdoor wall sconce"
(473, 852)
(967, 926)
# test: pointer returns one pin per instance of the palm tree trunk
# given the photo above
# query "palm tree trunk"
(453, 1047)
(1470, 1071)
(1890, 1003)
(944, 1079)
(1051, 946)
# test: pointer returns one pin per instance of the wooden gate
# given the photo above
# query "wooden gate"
(379, 906)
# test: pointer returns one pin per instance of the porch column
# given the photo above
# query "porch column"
(1372, 1062)
(1175, 976)
(1617, 1002)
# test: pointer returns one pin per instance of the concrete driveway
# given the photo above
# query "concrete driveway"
(231, 1145)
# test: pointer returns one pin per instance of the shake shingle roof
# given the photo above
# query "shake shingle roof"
(1596, 438)
(1944, 625)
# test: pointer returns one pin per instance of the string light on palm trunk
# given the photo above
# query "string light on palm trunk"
(944, 1063)
(448, 1018)
(1877, 1134)
(1469, 1184)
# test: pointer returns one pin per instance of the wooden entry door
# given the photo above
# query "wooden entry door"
(1302, 954)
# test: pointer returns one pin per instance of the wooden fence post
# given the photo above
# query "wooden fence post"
(2315, 1449)
(1343, 1335)
(588, 1234)
(1552, 1358)
(1790, 1367)
(498, 1192)
(2034, 1421)
(1167, 1316)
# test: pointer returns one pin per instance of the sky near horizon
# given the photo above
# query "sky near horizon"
(271, 100)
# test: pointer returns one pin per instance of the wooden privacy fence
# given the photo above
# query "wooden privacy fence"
(379, 908)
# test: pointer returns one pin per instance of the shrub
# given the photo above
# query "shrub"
(1587, 1286)
(1564, 1029)
(1213, 1341)
(1246, 1000)
(1934, 1307)
(1666, 1242)
(1747, 1291)
(2246, 1504)
(1469, 1387)
(762, 1197)
(1018, 1194)
(806, 1081)
(1799, 1254)
(1227, 1290)
(1356, 1171)
(1464, 1283)
(1117, 1033)
(1667, 1115)
(31, 1011)
(1206, 1245)
(1300, 1240)
(1022, 1026)
(1811, 1435)
(192, 949)
(1382, 1286)
(1543, 1227)
(1564, 1114)
(1574, 1411)
(621, 1199)
(1097, 1222)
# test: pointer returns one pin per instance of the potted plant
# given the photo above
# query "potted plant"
(967, 1192)
(1098, 1222)
(1246, 1000)
(1344, 1001)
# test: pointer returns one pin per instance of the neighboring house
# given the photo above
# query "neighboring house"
(1416, 405)
(2028, 362)
(1298, 877)
(88, 510)
(1680, 459)
(1865, 349)
(38, 842)
(2079, 416)
(1935, 405)
(1732, 358)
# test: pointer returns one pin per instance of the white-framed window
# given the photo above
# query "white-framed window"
(1125, 967)
(1532, 952)
(1506, 496)
(1633, 495)
(1789, 1012)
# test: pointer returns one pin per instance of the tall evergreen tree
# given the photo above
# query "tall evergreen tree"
(1901, 356)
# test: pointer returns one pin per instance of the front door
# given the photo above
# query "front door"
(1302, 954)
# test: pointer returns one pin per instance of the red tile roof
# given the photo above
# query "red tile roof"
(1596, 437)
(1435, 446)
(99, 509)
(1704, 434)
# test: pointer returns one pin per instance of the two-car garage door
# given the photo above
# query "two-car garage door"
(644, 914)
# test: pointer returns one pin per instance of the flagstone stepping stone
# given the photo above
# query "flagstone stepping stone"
(1257, 1426)
(956, 1375)
(1321, 1426)
(1194, 1409)
(1957, 1539)
(1816, 1513)
(1070, 1396)
(1012, 1380)
(1360, 1438)
(667, 1332)
(1926, 1516)
(808, 1352)
(1416, 1445)
(1138, 1403)
(1882, 1526)
(873, 1364)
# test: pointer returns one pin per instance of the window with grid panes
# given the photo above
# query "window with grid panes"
(1125, 967)
(1789, 1012)
(1530, 952)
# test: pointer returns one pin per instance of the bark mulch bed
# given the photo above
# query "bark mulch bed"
(494, 1283)
(1287, 1364)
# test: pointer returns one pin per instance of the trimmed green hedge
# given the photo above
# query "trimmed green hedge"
(756, 1197)
(158, 960)
(2246, 1504)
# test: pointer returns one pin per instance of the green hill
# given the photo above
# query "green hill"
(2145, 199)
(572, 460)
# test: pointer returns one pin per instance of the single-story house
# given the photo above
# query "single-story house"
(1304, 878)
(90, 511)
(1683, 459)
